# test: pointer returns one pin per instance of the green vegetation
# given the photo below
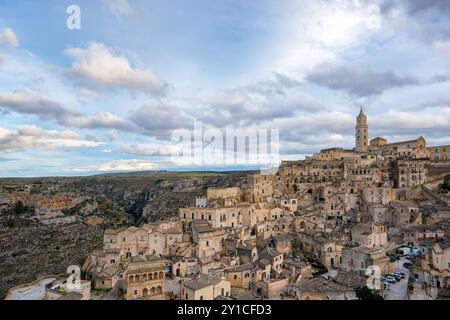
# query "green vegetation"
(446, 185)
(105, 205)
(35, 190)
(364, 293)
(19, 208)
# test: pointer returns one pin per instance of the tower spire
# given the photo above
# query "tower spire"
(361, 132)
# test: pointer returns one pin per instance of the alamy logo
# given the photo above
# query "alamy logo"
(73, 22)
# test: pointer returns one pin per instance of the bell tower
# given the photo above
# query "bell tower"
(361, 133)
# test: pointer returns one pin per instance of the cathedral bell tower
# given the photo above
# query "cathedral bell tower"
(361, 133)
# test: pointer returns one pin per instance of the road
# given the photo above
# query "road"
(399, 290)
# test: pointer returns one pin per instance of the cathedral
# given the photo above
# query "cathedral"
(379, 146)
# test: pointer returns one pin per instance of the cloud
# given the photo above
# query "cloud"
(8, 36)
(160, 118)
(34, 104)
(104, 67)
(99, 120)
(121, 165)
(399, 122)
(358, 80)
(425, 20)
(112, 135)
(31, 137)
(421, 6)
(149, 151)
(239, 108)
(120, 8)
(443, 47)
(278, 84)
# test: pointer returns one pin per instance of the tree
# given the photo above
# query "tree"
(446, 184)
(19, 208)
(364, 293)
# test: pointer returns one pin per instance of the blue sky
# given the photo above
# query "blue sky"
(108, 97)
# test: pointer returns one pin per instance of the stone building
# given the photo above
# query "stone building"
(370, 235)
(360, 258)
(145, 277)
(205, 287)
(408, 173)
(439, 153)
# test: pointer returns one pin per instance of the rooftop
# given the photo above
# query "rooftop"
(201, 281)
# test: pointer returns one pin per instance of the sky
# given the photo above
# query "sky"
(109, 96)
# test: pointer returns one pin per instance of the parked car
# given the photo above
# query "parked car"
(407, 265)
(390, 279)
(405, 251)
(396, 276)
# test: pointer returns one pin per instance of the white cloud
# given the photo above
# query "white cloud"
(121, 165)
(149, 150)
(443, 47)
(313, 32)
(104, 67)
(35, 104)
(102, 120)
(8, 36)
(31, 137)
(358, 80)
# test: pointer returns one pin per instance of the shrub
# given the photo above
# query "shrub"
(19, 208)
(364, 293)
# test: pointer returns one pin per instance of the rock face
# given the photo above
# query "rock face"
(29, 252)
(30, 249)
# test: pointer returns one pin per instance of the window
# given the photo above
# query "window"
(207, 243)
(201, 297)
(223, 291)
(235, 277)
(209, 217)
